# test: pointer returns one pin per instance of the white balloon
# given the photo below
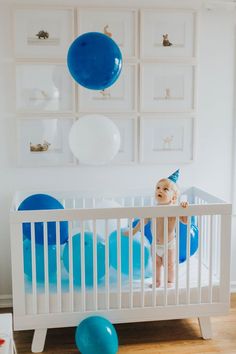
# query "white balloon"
(94, 139)
(111, 224)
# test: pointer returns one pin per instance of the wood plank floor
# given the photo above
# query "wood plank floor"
(176, 336)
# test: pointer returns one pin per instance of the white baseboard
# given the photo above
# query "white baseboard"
(5, 301)
(233, 287)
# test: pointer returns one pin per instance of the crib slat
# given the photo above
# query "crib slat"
(188, 262)
(154, 241)
(165, 259)
(83, 300)
(130, 264)
(107, 274)
(58, 266)
(34, 281)
(45, 252)
(71, 262)
(118, 263)
(95, 286)
(142, 262)
(211, 257)
(200, 240)
(177, 263)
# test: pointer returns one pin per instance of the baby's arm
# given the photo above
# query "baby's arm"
(136, 228)
(184, 219)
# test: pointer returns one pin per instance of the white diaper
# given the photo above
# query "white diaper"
(160, 249)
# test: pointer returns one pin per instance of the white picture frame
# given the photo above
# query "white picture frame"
(119, 24)
(167, 87)
(127, 126)
(43, 32)
(44, 141)
(178, 25)
(44, 87)
(166, 139)
(120, 97)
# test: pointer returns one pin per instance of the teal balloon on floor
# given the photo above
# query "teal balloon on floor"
(125, 254)
(40, 262)
(96, 335)
(88, 258)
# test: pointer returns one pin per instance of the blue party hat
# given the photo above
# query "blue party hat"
(174, 177)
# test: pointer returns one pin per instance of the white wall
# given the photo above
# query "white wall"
(212, 169)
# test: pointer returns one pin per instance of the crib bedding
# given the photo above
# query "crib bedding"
(171, 293)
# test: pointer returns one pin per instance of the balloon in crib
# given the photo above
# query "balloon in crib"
(94, 60)
(43, 202)
(88, 258)
(96, 335)
(39, 262)
(125, 254)
(183, 241)
(94, 140)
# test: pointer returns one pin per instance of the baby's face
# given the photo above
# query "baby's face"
(164, 192)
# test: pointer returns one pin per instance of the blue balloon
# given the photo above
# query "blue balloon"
(125, 254)
(44, 202)
(94, 60)
(88, 263)
(147, 229)
(96, 335)
(40, 261)
(183, 241)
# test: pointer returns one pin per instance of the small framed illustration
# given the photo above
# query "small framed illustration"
(44, 142)
(119, 97)
(166, 139)
(118, 24)
(127, 126)
(43, 32)
(168, 33)
(167, 87)
(43, 88)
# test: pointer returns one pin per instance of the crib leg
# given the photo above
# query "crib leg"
(205, 327)
(38, 340)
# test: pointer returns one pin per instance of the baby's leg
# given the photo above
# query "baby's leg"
(158, 270)
(171, 267)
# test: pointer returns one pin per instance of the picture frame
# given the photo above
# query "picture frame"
(127, 125)
(43, 141)
(168, 33)
(44, 87)
(167, 87)
(167, 139)
(41, 32)
(120, 97)
(119, 24)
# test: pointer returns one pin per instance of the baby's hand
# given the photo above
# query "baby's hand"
(184, 204)
(125, 233)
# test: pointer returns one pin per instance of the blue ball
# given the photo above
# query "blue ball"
(39, 260)
(88, 263)
(44, 202)
(183, 241)
(125, 254)
(94, 60)
(96, 335)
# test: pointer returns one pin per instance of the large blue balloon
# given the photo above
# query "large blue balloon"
(88, 263)
(183, 241)
(96, 335)
(44, 202)
(94, 60)
(125, 254)
(39, 261)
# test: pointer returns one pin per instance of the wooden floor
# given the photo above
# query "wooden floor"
(176, 336)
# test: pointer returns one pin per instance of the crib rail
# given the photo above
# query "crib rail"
(122, 291)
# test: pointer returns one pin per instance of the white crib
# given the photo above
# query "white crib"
(202, 284)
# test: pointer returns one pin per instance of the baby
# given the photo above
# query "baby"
(166, 193)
